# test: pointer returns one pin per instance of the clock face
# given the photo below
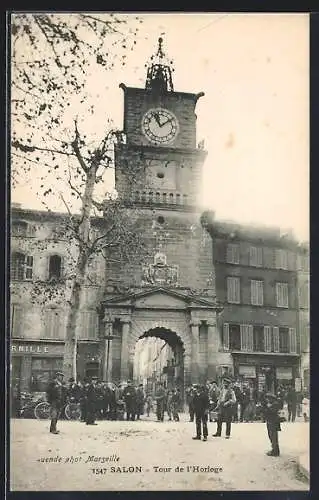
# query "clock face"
(160, 126)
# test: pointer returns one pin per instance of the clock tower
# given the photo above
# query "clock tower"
(159, 164)
(171, 294)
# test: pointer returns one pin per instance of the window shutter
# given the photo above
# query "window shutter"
(276, 338)
(92, 325)
(48, 320)
(16, 321)
(250, 343)
(267, 338)
(226, 336)
(255, 256)
(244, 338)
(292, 340)
(84, 325)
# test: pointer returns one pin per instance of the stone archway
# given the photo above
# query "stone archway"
(173, 331)
(174, 374)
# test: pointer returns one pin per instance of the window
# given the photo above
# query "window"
(21, 266)
(281, 259)
(16, 320)
(257, 292)
(259, 340)
(53, 324)
(232, 254)
(55, 267)
(256, 256)
(282, 294)
(246, 337)
(22, 228)
(283, 340)
(234, 337)
(89, 325)
(19, 228)
(233, 290)
(42, 371)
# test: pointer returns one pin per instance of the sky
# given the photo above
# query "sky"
(254, 117)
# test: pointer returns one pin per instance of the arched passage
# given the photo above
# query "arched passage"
(155, 362)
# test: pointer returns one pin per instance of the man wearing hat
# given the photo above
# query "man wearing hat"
(129, 397)
(55, 396)
(225, 408)
(91, 402)
(271, 406)
(201, 405)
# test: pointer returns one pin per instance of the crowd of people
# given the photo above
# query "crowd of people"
(226, 403)
(105, 401)
(247, 406)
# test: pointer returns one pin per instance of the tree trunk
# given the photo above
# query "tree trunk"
(71, 341)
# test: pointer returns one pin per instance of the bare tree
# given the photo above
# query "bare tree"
(53, 56)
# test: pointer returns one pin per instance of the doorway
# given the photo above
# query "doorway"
(92, 369)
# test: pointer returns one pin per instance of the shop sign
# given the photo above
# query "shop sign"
(29, 349)
(247, 371)
(284, 373)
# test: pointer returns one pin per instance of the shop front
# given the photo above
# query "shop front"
(33, 364)
(266, 373)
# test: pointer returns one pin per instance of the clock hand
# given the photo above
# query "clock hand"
(157, 118)
(167, 121)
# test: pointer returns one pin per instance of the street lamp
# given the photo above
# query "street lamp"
(106, 370)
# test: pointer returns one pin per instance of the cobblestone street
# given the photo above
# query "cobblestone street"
(146, 455)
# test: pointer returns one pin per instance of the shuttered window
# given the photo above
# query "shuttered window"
(246, 337)
(53, 324)
(281, 258)
(16, 320)
(282, 294)
(233, 290)
(255, 256)
(21, 266)
(257, 292)
(267, 338)
(89, 324)
(232, 253)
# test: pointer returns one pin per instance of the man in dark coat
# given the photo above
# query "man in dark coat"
(56, 397)
(190, 391)
(201, 406)
(292, 404)
(176, 401)
(91, 401)
(225, 408)
(83, 399)
(140, 399)
(129, 397)
(160, 397)
(271, 407)
(238, 394)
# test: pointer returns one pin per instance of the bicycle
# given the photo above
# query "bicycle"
(71, 411)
